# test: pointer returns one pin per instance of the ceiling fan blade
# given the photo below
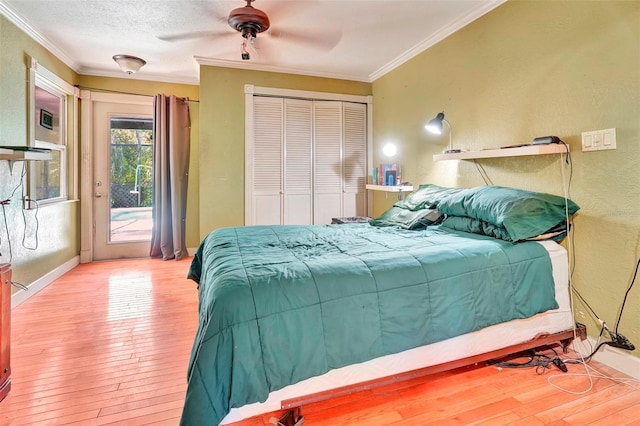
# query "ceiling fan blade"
(319, 39)
(204, 9)
(281, 10)
(186, 36)
(196, 35)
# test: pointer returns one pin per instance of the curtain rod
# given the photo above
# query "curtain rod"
(124, 93)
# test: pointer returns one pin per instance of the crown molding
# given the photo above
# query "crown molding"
(144, 76)
(440, 35)
(30, 30)
(258, 67)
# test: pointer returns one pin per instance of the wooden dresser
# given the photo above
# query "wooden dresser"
(5, 329)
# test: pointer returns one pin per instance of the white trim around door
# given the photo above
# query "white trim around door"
(87, 183)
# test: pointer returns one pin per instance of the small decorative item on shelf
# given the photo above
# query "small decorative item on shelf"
(387, 175)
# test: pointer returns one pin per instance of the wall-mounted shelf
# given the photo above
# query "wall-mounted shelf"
(19, 154)
(505, 152)
(390, 188)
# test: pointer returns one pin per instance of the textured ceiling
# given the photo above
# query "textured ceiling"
(357, 40)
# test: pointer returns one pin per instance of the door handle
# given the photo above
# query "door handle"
(98, 194)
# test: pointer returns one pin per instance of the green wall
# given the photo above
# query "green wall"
(222, 135)
(528, 69)
(58, 235)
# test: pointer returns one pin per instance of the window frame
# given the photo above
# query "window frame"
(40, 77)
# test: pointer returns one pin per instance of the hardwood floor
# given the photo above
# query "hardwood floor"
(109, 343)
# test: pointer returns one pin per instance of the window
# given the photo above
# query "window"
(47, 179)
(49, 109)
(131, 173)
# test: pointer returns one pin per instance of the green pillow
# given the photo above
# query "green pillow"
(407, 219)
(523, 214)
(476, 226)
(427, 196)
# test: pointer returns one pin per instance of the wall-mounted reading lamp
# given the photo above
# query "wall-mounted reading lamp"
(435, 126)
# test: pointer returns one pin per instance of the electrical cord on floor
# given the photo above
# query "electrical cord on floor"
(590, 372)
(540, 361)
(586, 359)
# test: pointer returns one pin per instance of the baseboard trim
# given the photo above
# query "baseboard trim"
(21, 296)
(616, 358)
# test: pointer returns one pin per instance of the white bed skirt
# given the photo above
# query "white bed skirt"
(481, 341)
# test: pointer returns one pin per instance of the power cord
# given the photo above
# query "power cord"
(626, 294)
(7, 201)
(24, 220)
(540, 361)
(615, 338)
(3, 203)
(590, 372)
(483, 173)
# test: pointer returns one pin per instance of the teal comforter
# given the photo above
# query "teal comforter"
(279, 304)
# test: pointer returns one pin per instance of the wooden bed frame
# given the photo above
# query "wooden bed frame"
(293, 415)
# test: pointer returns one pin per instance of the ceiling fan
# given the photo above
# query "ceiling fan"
(250, 21)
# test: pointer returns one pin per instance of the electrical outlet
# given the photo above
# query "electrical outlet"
(599, 140)
(581, 315)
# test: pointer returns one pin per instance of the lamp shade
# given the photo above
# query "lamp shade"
(435, 124)
(129, 64)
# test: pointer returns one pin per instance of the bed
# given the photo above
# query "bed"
(446, 274)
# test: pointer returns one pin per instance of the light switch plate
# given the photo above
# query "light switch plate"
(599, 140)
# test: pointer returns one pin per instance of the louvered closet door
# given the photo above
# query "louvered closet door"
(354, 159)
(298, 190)
(327, 161)
(267, 161)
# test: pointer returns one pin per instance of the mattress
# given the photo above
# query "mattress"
(469, 344)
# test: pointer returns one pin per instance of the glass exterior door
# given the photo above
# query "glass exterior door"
(123, 179)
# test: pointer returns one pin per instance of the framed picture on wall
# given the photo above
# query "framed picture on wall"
(46, 119)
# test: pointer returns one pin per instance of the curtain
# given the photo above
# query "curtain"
(171, 144)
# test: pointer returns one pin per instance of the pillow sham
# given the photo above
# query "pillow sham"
(408, 219)
(523, 214)
(427, 196)
(476, 226)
